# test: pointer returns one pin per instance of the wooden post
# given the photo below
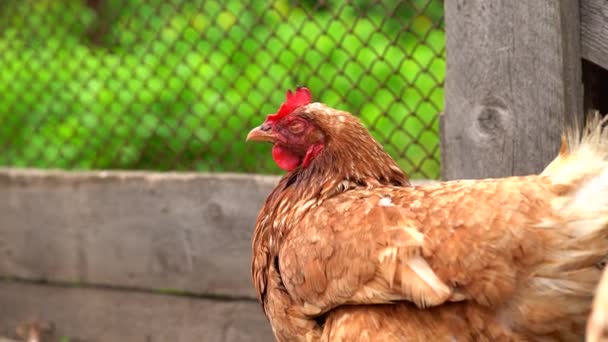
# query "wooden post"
(513, 83)
(594, 31)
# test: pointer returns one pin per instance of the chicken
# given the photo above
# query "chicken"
(597, 325)
(345, 249)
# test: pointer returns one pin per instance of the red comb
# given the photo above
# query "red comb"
(300, 98)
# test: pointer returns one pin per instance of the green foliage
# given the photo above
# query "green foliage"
(176, 85)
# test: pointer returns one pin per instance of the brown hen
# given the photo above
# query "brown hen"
(345, 249)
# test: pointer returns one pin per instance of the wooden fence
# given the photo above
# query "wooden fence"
(113, 256)
(514, 80)
(134, 256)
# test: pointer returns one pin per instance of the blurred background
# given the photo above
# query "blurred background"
(176, 85)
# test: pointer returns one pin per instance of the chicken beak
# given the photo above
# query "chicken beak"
(261, 133)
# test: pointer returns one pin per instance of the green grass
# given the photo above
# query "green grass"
(176, 85)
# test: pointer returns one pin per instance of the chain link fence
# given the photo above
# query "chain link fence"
(177, 84)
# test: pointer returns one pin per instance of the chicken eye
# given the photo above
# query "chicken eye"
(296, 127)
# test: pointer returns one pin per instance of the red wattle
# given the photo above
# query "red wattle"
(285, 159)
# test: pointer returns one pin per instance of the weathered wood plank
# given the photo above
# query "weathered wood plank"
(594, 31)
(84, 314)
(513, 82)
(189, 232)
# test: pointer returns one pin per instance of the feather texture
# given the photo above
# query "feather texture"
(345, 249)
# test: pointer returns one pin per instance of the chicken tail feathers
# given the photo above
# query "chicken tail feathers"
(579, 245)
(580, 173)
(582, 154)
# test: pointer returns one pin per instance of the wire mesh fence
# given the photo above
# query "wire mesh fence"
(177, 84)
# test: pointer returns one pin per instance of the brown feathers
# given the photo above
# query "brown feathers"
(345, 249)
